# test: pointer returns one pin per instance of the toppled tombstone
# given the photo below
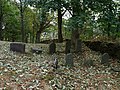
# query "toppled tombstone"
(36, 50)
(52, 48)
(105, 58)
(67, 46)
(69, 60)
(115, 69)
(17, 47)
(88, 63)
(78, 46)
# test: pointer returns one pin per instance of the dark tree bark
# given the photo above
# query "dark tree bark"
(60, 14)
(26, 38)
(43, 26)
(38, 33)
(22, 22)
(1, 20)
(0, 29)
(13, 39)
(32, 36)
(75, 33)
(60, 37)
(74, 37)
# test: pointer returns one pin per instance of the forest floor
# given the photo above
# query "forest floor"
(35, 72)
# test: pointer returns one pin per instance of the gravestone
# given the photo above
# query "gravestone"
(105, 58)
(36, 50)
(69, 60)
(17, 47)
(78, 46)
(55, 63)
(67, 46)
(52, 48)
(88, 63)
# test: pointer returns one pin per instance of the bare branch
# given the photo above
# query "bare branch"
(70, 12)
(47, 24)
(64, 12)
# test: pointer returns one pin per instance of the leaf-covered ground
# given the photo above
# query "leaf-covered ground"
(35, 72)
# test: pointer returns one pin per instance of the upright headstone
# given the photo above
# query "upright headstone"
(69, 60)
(67, 46)
(55, 63)
(105, 58)
(17, 47)
(52, 48)
(78, 46)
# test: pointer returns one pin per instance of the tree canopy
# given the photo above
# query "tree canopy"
(26, 20)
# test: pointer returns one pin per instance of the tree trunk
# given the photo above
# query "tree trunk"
(75, 33)
(33, 36)
(38, 37)
(22, 22)
(13, 39)
(38, 34)
(74, 37)
(60, 37)
(0, 30)
(1, 20)
(26, 39)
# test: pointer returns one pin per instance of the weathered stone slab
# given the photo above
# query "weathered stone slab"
(52, 48)
(17, 47)
(105, 58)
(78, 46)
(69, 60)
(36, 50)
(116, 69)
(88, 63)
(67, 46)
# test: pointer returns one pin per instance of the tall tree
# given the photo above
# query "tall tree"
(76, 22)
(44, 16)
(60, 37)
(22, 5)
(59, 6)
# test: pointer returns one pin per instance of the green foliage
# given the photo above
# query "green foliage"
(10, 22)
(108, 18)
(91, 17)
